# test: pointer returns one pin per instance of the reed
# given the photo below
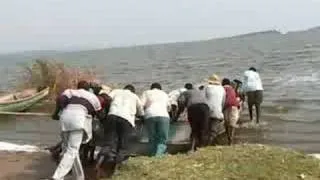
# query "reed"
(56, 75)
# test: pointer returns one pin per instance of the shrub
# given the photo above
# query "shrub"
(56, 75)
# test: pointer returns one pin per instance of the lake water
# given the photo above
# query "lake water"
(288, 64)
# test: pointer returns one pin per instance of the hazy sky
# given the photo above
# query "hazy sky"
(70, 24)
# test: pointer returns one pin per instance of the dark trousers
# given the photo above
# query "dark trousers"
(173, 111)
(117, 131)
(255, 98)
(198, 116)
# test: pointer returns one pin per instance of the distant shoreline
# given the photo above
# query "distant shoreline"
(44, 52)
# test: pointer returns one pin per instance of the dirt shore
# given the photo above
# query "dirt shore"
(25, 166)
(30, 166)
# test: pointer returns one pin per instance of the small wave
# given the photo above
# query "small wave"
(274, 117)
(6, 146)
(295, 79)
(315, 155)
(253, 125)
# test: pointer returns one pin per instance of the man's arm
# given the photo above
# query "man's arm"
(101, 114)
(140, 111)
(224, 98)
(168, 103)
(61, 102)
(143, 99)
(112, 93)
(245, 82)
(259, 80)
(182, 101)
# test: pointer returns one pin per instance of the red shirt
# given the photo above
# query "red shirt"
(231, 97)
(105, 101)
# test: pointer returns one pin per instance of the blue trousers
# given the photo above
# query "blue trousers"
(158, 130)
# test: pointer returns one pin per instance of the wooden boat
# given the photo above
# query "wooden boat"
(178, 141)
(20, 101)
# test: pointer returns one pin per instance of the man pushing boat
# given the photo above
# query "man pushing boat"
(75, 109)
(118, 126)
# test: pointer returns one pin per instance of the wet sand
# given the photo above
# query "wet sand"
(25, 166)
(30, 166)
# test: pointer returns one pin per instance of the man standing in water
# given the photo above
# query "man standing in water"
(77, 108)
(156, 105)
(254, 90)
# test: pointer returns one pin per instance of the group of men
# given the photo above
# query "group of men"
(210, 108)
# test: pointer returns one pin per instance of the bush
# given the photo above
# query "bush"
(56, 75)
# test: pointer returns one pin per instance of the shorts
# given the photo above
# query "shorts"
(231, 116)
(255, 97)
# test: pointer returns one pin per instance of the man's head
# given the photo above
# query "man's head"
(237, 83)
(155, 86)
(226, 81)
(130, 88)
(83, 85)
(253, 69)
(201, 87)
(188, 86)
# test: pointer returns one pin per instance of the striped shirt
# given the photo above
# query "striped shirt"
(79, 106)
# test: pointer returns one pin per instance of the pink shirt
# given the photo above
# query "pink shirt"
(231, 97)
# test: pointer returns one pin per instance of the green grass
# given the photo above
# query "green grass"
(245, 162)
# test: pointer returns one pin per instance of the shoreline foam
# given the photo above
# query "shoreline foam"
(12, 147)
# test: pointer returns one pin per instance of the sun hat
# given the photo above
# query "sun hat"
(105, 89)
(214, 79)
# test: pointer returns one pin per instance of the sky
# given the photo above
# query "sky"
(89, 24)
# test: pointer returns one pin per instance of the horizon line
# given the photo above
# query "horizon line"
(79, 49)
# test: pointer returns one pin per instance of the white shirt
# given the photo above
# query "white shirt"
(215, 95)
(174, 95)
(252, 81)
(125, 104)
(155, 103)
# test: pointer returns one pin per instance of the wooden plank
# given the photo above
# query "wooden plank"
(24, 113)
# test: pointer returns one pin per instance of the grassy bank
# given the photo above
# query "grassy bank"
(241, 162)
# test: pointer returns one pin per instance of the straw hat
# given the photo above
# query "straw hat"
(105, 89)
(214, 79)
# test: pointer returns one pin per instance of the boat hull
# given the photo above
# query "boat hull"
(23, 104)
(178, 140)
